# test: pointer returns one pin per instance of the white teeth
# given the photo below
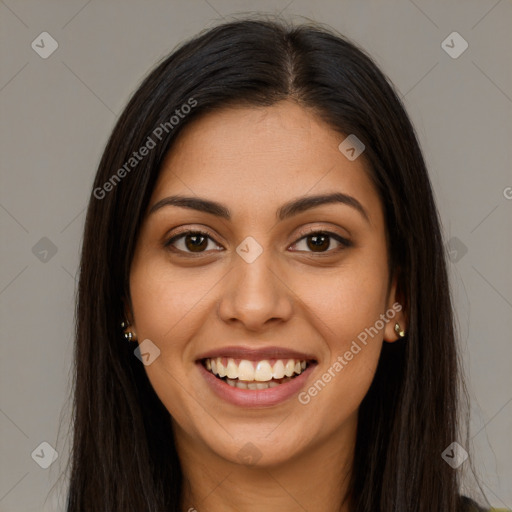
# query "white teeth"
(221, 371)
(278, 372)
(232, 369)
(250, 371)
(253, 385)
(263, 371)
(245, 370)
(289, 368)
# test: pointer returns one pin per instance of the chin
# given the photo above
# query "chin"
(258, 445)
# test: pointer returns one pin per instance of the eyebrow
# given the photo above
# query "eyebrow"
(286, 211)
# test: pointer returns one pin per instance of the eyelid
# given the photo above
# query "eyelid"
(326, 231)
(186, 230)
(168, 241)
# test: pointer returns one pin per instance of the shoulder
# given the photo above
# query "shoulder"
(468, 505)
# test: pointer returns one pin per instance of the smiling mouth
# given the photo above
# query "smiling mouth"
(255, 375)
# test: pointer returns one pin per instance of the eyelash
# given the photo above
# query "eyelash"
(343, 241)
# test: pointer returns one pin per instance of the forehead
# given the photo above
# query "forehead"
(256, 158)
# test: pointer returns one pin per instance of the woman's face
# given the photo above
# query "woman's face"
(262, 292)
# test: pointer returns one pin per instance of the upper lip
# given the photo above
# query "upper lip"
(256, 354)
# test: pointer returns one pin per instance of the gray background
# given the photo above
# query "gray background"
(57, 113)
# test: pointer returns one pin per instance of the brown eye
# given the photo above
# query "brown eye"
(320, 242)
(196, 242)
(190, 241)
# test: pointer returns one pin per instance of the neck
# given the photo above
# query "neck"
(314, 480)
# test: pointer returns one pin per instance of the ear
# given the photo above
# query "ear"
(395, 313)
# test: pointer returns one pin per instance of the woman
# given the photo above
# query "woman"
(264, 319)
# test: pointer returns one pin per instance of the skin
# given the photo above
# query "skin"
(253, 160)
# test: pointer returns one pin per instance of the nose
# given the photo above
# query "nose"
(255, 295)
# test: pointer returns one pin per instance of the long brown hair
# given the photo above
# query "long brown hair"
(123, 453)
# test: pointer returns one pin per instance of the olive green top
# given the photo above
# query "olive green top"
(469, 505)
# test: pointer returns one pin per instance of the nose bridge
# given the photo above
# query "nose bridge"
(254, 290)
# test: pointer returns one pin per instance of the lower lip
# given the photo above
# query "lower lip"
(256, 397)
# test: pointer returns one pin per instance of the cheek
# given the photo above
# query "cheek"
(346, 307)
(165, 306)
(170, 305)
(347, 301)
(165, 300)
(351, 328)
